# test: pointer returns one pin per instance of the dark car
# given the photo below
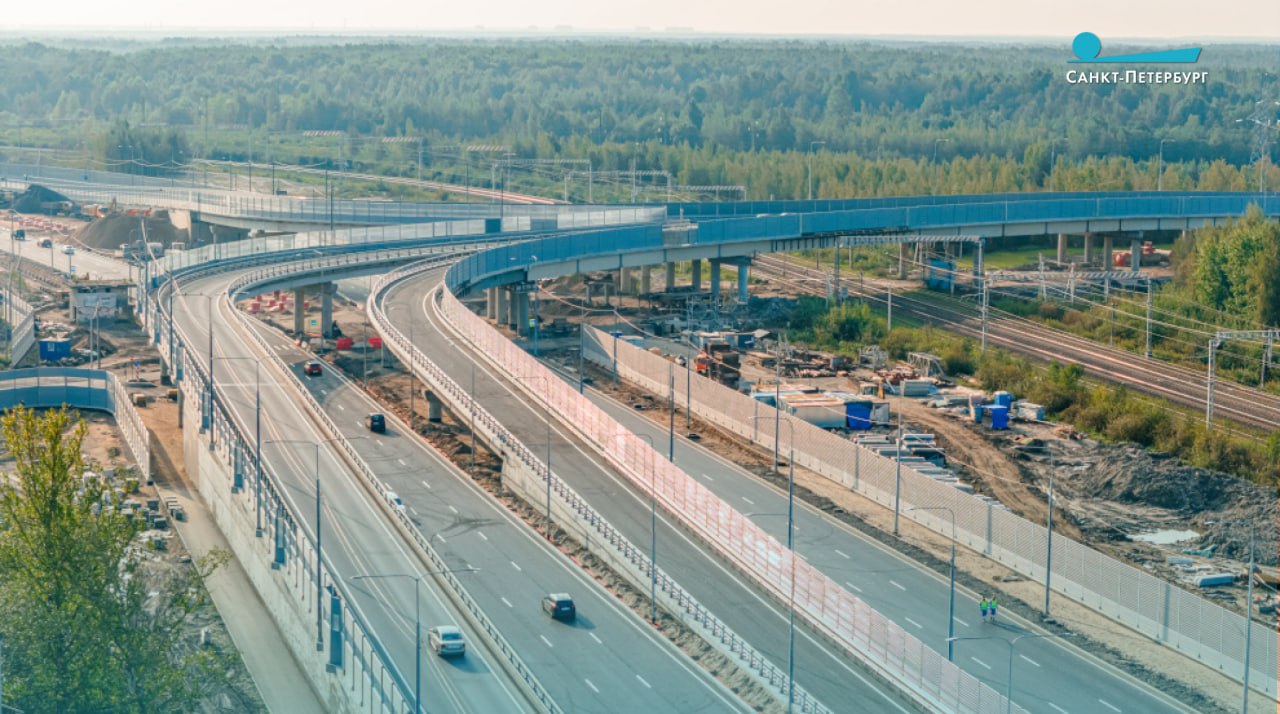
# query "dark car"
(313, 369)
(377, 423)
(559, 606)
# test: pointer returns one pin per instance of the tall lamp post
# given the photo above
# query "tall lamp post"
(417, 620)
(951, 608)
(653, 534)
(811, 145)
(209, 328)
(1008, 697)
(791, 500)
(257, 435)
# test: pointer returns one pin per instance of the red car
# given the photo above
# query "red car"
(313, 369)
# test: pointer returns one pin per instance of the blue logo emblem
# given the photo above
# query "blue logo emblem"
(1087, 47)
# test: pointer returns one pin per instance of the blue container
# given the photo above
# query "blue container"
(858, 415)
(977, 412)
(54, 350)
(1004, 399)
(999, 416)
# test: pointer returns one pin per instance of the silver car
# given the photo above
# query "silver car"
(446, 641)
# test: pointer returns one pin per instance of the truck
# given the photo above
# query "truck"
(719, 361)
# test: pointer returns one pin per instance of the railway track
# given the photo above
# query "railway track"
(1176, 383)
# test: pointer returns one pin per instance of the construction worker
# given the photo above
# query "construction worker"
(993, 605)
(983, 605)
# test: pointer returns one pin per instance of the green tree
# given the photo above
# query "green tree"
(89, 624)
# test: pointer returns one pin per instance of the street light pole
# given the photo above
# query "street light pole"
(1248, 628)
(257, 436)
(547, 414)
(791, 618)
(1008, 698)
(951, 608)
(897, 477)
(653, 535)
(1048, 549)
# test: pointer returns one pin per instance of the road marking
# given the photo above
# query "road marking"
(897, 585)
(482, 535)
(342, 407)
(378, 442)
(962, 622)
(650, 686)
(401, 462)
(842, 555)
(748, 500)
(505, 601)
(708, 477)
(984, 664)
(1029, 660)
(803, 557)
(324, 391)
(918, 625)
(415, 511)
(597, 639)
(424, 483)
(513, 564)
(1109, 705)
(442, 540)
(1055, 706)
(593, 687)
(544, 639)
(451, 508)
(855, 587)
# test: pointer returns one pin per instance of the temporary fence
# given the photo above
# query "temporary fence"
(876, 641)
(494, 433)
(1157, 608)
(82, 389)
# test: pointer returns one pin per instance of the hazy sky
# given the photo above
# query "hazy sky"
(1190, 19)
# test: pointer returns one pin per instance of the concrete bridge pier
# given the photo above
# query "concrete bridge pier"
(669, 273)
(490, 303)
(695, 268)
(1062, 247)
(744, 265)
(1135, 251)
(299, 315)
(715, 278)
(646, 279)
(502, 305)
(903, 250)
(1108, 249)
(1088, 249)
(327, 292)
(522, 311)
(435, 407)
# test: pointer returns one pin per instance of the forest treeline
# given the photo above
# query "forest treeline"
(997, 116)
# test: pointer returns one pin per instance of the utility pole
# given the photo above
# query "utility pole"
(1148, 317)
(1248, 628)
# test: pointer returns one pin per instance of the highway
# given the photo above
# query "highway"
(828, 674)
(609, 660)
(357, 536)
(1050, 676)
(1178, 384)
(96, 265)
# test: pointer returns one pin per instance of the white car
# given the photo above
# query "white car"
(394, 499)
(446, 641)
(68, 250)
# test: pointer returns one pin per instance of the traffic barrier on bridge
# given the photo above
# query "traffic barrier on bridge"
(440, 569)
(493, 433)
(52, 387)
(1156, 608)
(873, 639)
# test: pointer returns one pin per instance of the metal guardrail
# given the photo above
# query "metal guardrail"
(58, 386)
(362, 469)
(1157, 608)
(494, 433)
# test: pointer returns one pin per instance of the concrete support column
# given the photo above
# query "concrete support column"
(299, 315)
(326, 308)
(1108, 248)
(670, 275)
(1062, 247)
(502, 306)
(629, 281)
(646, 279)
(1088, 249)
(490, 300)
(1135, 252)
(435, 408)
(903, 255)
(743, 267)
(715, 278)
(695, 267)
(522, 313)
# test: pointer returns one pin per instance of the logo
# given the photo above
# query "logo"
(1087, 47)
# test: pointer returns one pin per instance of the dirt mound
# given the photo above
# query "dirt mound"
(34, 199)
(112, 231)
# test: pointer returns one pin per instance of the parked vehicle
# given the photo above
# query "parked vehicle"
(313, 369)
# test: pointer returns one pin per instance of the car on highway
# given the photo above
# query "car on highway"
(394, 499)
(560, 607)
(68, 250)
(376, 422)
(313, 369)
(45, 243)
(446, 641)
